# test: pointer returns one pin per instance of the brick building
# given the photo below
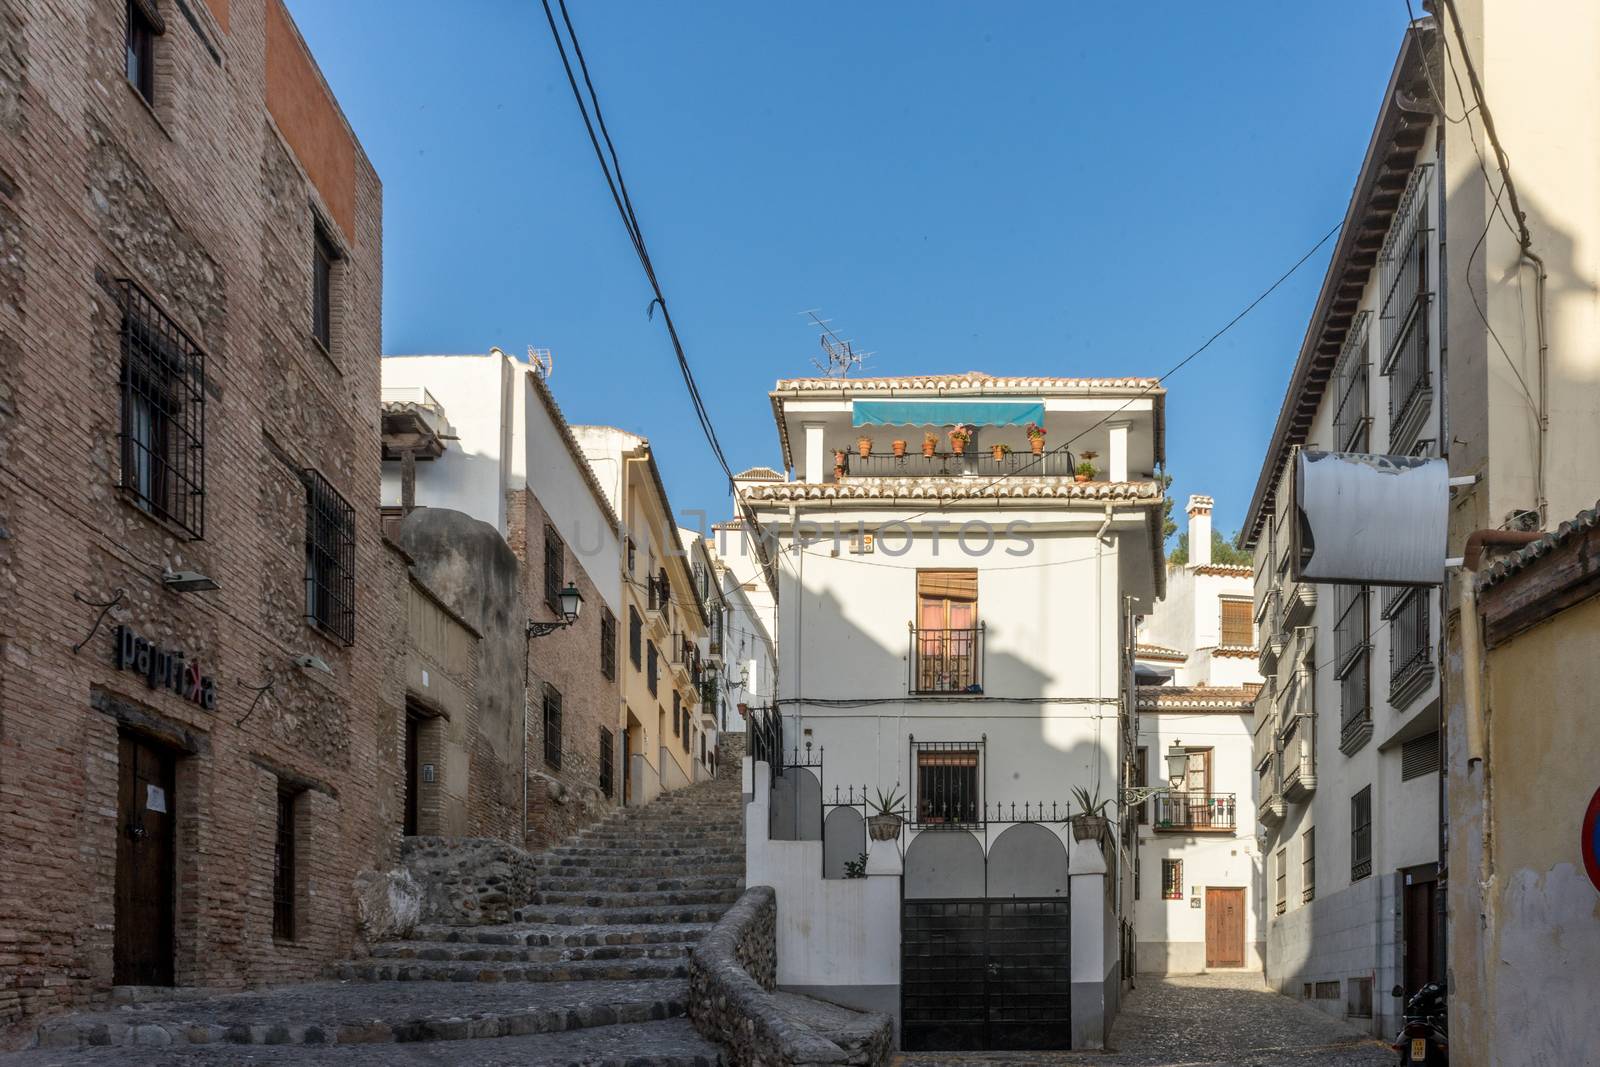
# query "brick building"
(198, 730)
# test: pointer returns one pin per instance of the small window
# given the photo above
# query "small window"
(1238, 628)
(323, 256)
(553, 559)
(635, 636)
(652, 668)
(1328, 990)
(1361, 835)
(163, 414)
(552, 726)
(330, 559)
(141, 42)
(1282, 881)
(1171, 879)
(608, 644)
(687, 732)
(1141, 777)
(607, 767)
(1308, 865)
(283, 868)
(947, 784)
(677, 712)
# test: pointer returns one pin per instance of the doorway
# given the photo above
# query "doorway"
(413, 770)
(146, 861)
(1224, 927)
(1418, 923)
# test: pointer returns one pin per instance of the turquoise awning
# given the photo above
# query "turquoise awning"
(946, 412)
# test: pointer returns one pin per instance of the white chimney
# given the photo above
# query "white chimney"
(1199, 531)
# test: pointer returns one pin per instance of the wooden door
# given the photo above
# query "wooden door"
(1224, 927)
(1417, 923)
(413, 771)
(146, 843)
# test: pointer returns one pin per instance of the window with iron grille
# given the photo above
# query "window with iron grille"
(635, 635)
(552, 568)
(1238, 628)
(1361, 834)
(552, 726)
(1308, 865)
(1171, 879)
(677, 712)
(633, 554)
(1419, 756)
(1404, 312)
(141, 51)
(607, 766)
(1282, 881)
(163, 414)
(283, 868)
(702, 748)
(608, 644)
(1410, 648)
(1352, 665)
(1141, 776)
(330, 559)
(949, 790)
(688, 731)
(652, 668)
(1353, 414)
(324, 254)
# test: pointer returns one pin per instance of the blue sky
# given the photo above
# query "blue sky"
(1017, 188)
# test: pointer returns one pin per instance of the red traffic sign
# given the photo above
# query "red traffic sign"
(1589, 843)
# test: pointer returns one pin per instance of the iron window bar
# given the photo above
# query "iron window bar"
(1196, 810)
(607, 764)
(765, 728)
(283, 873)
(162, 440)
(949, 787)
(946, 660)
(1352, 418)
(552, 726)
(330, 558)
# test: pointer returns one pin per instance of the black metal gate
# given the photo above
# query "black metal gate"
(985, 974)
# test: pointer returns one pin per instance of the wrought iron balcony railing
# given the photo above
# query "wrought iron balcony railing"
(1190, 811)
(1058, 464)
(946, 661)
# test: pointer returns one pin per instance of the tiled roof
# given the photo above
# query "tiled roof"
(1520, 560)
(953, 489)
(1232, 699)
(1226, 570)
(968, 381)
(1158, 652)
(758, 474)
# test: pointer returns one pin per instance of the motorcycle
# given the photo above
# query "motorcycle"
(1423, 1038)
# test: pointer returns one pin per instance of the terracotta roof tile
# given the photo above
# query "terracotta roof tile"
(1230, 699)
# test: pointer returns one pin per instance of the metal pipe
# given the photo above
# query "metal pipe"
(1472, 554)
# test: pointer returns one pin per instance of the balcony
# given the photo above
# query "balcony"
(980, 463)
(946, 661)
(658, 605)
(1270, 628)
(1195, 813)
(1299, 604)
(1271, 809)
(684, 658)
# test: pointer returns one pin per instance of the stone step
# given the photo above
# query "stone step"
(604, 899)
(325, 1013)
(410, 970)
(478, 952)
(657, 852)
(567, 879)
(563, 915)
(623, 862)
(563, 936)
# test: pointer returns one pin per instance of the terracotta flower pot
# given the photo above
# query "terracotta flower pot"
(884, 827)
(864, 447)
(999, 452)
(1037, 444)
(838, 473)
(1088, 827)
(899, 448)
(958, 446)
(928, 447)
(1080, 477)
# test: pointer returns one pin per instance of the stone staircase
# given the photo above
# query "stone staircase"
(593, 969)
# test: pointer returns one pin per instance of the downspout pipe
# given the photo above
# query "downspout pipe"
(1472, 632)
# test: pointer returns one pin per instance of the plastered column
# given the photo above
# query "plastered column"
(1117, 461)
(1086, 868)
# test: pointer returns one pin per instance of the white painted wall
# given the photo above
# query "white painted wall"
(475, 470)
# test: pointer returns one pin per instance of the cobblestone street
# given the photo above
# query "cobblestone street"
(1198, 1021)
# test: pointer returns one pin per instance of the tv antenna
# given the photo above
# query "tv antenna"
(542, 360)
(839, 353)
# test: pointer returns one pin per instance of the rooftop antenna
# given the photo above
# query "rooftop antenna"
(839, 353)
(542, 360)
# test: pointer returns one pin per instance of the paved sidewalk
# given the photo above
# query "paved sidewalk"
(1201, 1021)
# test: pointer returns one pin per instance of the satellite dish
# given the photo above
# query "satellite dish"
(1369, 520)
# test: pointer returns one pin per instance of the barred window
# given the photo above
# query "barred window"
(1361, 834)
(330, 559)
(635, 635)
(1141, 776)
(1352, 416)
(283, 868)
(1308, 865)
(323, 256)
(552, 726)
(608, 644)
(552, 568)
(1171, 879)
(607, 767)
(163, 413)
(677, 713)
(141, 51)
(652, 668)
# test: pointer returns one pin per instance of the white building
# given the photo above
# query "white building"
(961, 640)
(1199, 872)
(748, 648)
(1347, 724)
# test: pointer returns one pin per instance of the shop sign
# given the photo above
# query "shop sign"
(164, 668)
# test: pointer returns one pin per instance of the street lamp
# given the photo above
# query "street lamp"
(1177, 770)
(571, 602)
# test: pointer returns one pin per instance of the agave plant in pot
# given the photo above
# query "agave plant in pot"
(885, 821)
(1090, 823)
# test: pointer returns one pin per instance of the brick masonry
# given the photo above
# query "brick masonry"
(204, 202)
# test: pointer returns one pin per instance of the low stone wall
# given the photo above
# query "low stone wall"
(732, 998)
(471, 881)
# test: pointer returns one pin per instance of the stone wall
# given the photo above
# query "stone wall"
(468, 881)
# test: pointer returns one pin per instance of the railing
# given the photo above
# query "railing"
(1409, 644)
(946, 661)
(658, 592)
(765, 729)
(1057, 464)
(1196, 811)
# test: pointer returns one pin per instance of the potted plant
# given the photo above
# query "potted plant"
(959, 436)
(930, 441)
(838, 457)
(885, 821)
(1000, 452)
(864, 446)
(899, 449)
(1084, 472)
(1035, 438)
(1090, 823)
